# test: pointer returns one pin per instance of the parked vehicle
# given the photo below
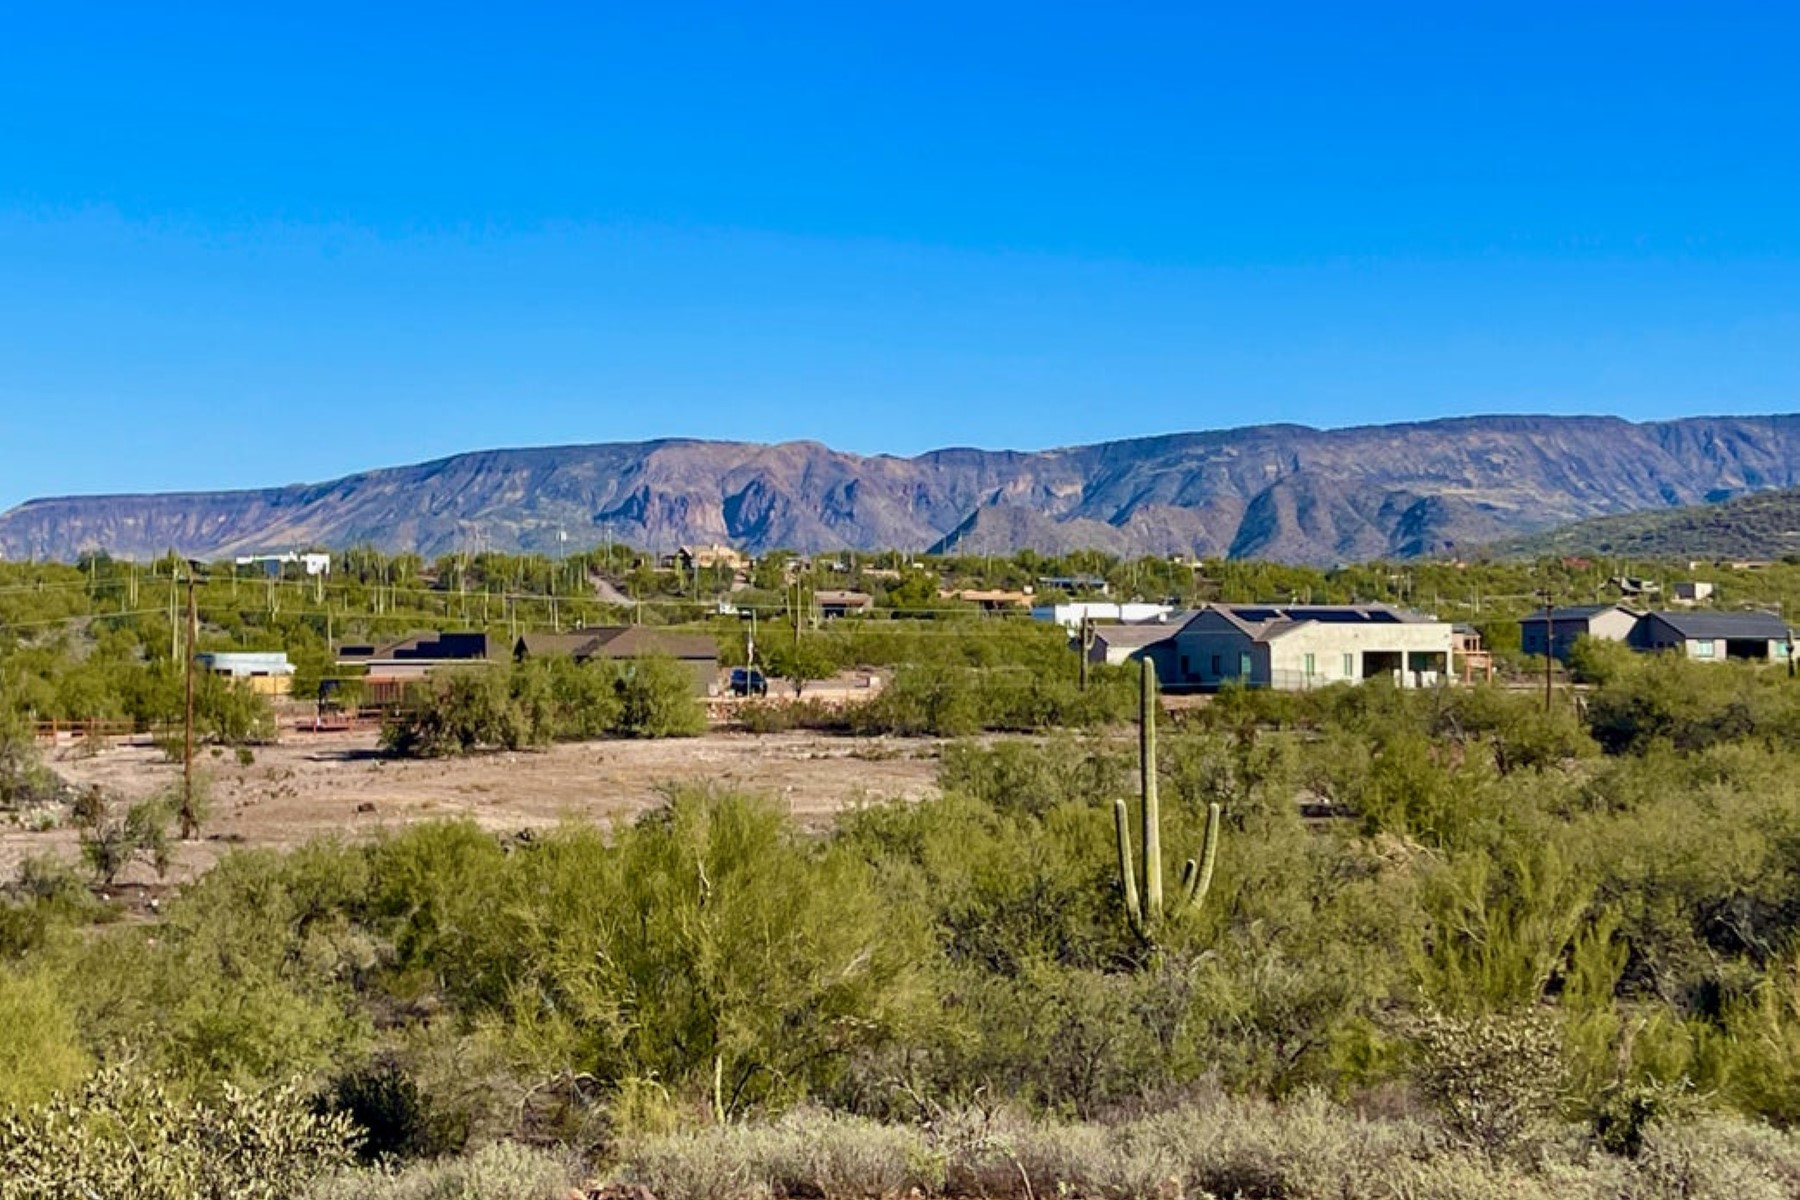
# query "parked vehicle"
(748, 681)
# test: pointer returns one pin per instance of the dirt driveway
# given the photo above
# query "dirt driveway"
(319, 784)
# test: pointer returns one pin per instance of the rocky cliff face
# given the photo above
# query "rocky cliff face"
(1281, 492)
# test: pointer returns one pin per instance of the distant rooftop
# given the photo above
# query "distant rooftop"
(1756, 626)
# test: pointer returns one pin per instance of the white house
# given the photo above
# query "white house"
(312, 564)
(1293, 647)
(1070, 616)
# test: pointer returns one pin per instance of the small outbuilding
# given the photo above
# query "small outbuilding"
(266, 673)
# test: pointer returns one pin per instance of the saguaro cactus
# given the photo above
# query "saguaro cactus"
(1145, 910)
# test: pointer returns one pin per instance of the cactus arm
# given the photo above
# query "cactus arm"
(1153, 881)
(1196, 882)
(1128, 870)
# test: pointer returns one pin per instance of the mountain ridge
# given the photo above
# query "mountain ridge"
(1285, 492)
(1758, 526)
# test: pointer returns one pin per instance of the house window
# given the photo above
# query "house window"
(1703, 649)
(1243, 664)
(1310, 668)
(1349, 666)
(1216, 669)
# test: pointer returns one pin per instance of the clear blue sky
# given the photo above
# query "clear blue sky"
(243, 246)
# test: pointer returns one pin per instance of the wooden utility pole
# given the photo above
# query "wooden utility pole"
(190, 823)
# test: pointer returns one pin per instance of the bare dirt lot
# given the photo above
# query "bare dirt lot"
(313, 785)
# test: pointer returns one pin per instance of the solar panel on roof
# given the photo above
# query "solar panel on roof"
(1255, 614)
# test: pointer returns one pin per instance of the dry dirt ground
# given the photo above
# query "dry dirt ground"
(313, 785)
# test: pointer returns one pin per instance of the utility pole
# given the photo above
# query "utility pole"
(190, 824)
(1549, 644)
(1087, 646)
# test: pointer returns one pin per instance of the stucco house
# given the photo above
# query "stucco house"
(1611, 622)
(1293, 647)
(835, 604)
(1716, 636)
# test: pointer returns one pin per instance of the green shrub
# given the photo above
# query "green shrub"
(455, 712)
(390, 1116)
(656, 699)
(1496, 1078)
(42, 1051)
(540, 701)
(503, 1171)
(112, 840)
(122, 1137)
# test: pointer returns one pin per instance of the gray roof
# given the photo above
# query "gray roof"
(550, 645)
(1135, 636)
(1580, 612)
(1756, 626)
(1264, 621)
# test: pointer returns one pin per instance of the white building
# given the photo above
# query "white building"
(1292, 647)
(312, 564)
(1693, 591)
(1070, 616)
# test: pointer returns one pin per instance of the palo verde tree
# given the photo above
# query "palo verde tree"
(1144, 907)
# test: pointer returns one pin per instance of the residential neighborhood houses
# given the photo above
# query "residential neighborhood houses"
(1278, 644)
(390, 667)
(1295, 647)
(1702, 635)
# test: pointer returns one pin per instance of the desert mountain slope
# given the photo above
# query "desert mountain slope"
(1282, 492)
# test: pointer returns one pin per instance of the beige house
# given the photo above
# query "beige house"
(689, 558)
(1293, 647)
(838, 603)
